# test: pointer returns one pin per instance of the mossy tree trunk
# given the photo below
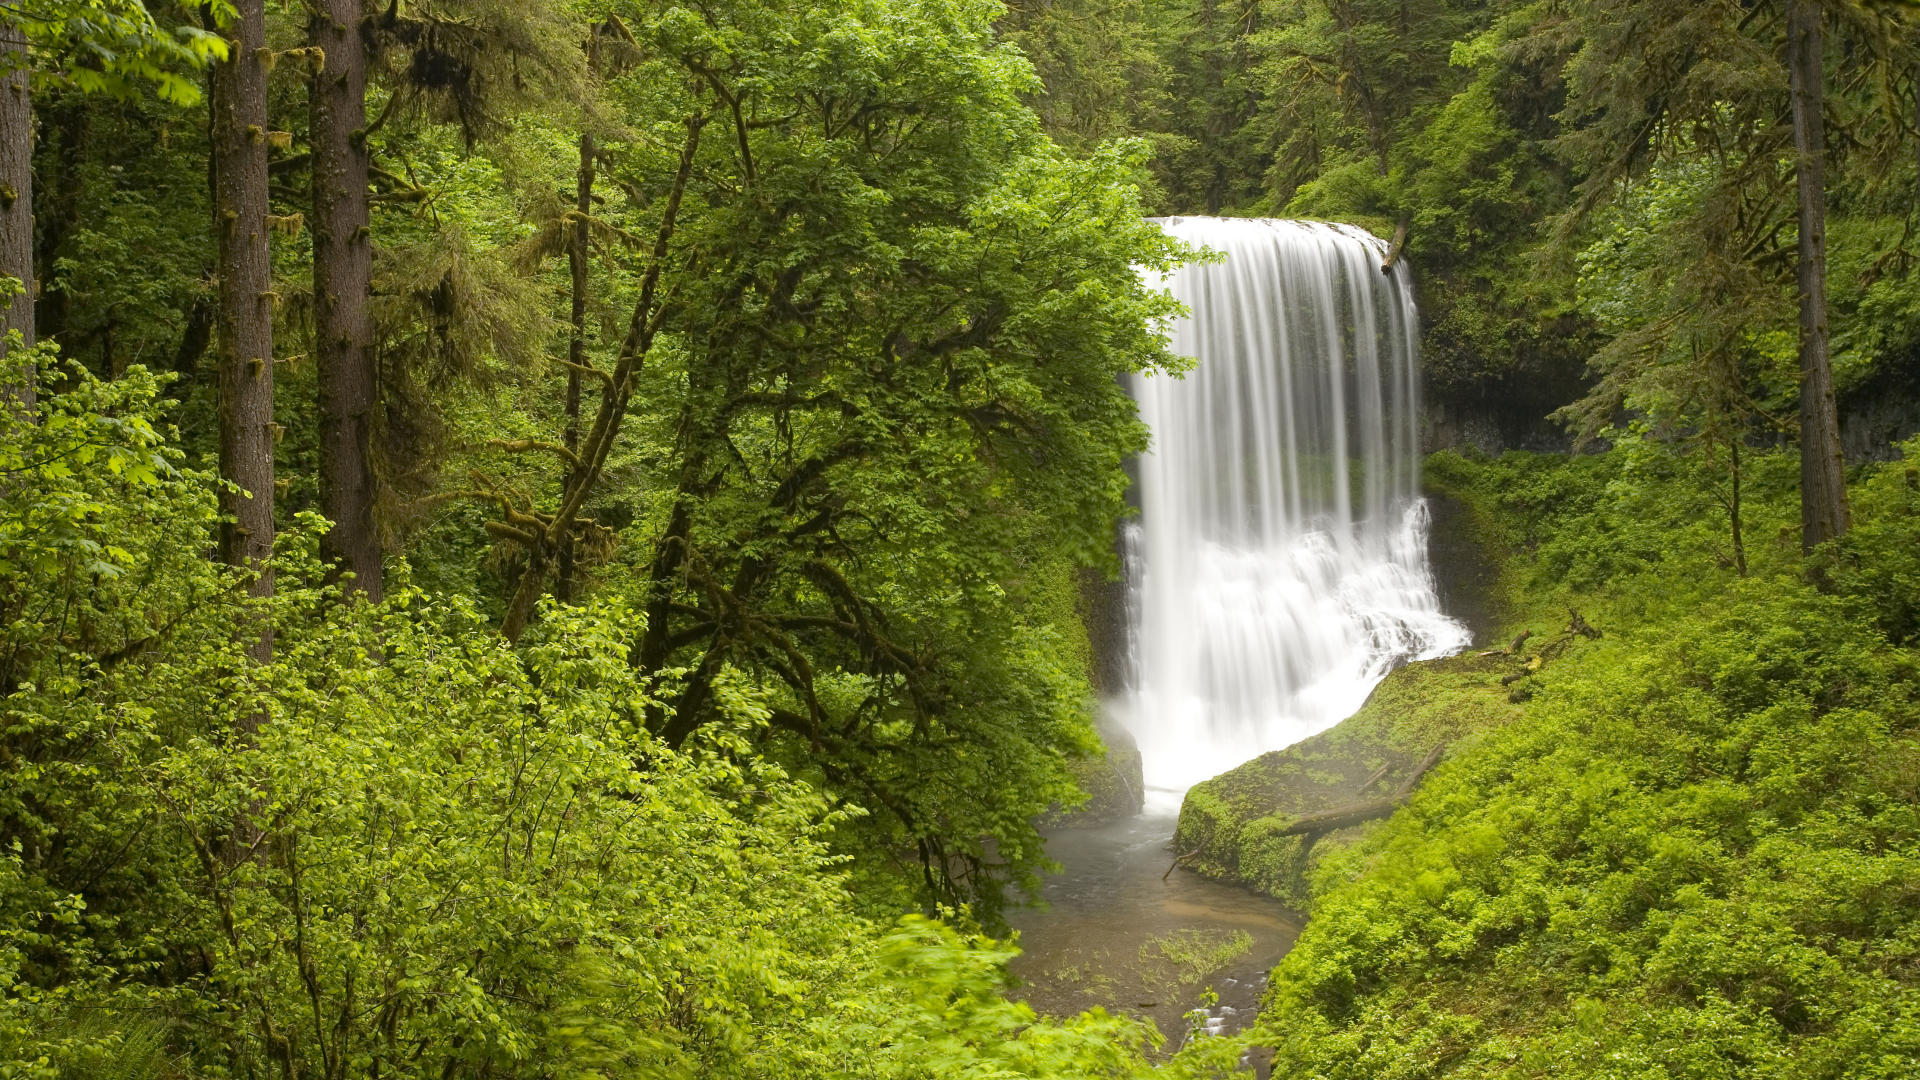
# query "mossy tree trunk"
(238, 101)
(16, 195)
(1823, 491)
(578, 239)
(342, 284)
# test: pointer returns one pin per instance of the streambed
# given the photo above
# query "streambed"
(1115, 935)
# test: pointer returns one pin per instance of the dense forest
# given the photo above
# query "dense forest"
(556, 539)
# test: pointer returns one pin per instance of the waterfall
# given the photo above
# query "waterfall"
(1278, 570)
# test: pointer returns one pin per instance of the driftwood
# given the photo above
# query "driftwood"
(1177, 860)
(1511, 649)
(1399, 245)
(1312, 825)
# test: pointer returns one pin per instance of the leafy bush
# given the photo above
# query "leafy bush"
(404, 847)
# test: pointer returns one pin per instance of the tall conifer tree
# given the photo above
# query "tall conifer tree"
(247, 430)
(342, 282)
(16, 192)
(1823, 490)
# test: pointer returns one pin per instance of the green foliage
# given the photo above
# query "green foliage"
(404, 847)
(1186, 957)
(1880, 564)
(115, 47)
(877, 424)
(1101, 64)
(818, 661)
(881, 404)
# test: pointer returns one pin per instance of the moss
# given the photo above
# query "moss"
(1230, 826)
(1112, 781)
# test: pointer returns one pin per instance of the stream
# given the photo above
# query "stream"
(1114, 934)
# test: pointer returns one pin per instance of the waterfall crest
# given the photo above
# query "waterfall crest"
(1278, 569)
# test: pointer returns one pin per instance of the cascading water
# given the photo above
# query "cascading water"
(1279, 568)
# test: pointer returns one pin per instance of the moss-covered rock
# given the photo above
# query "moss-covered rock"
(1113, 782)
(1230, 825)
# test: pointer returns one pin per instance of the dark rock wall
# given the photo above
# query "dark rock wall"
(1880, 412)
(1464, 572)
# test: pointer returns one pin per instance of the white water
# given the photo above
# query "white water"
(1279, 567)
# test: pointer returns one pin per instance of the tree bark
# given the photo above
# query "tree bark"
(1823, 491)
(342, 285)
(238, 101)
(16, 199)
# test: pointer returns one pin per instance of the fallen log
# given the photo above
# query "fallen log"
(1511, 649)
(1378, 775)
(1325, 821)
(1399, 245)
(1426, 765)
(1342, 816)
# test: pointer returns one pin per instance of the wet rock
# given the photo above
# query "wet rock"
(1465, 573)
(1113, 783)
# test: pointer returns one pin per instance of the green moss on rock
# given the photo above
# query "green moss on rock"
(1112, 781)
(1230, 825)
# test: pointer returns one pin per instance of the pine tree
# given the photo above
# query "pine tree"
(247, 429)
(16, 196)
(342, 282)
(1823, 485)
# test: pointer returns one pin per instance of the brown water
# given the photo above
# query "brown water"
(1115, 935)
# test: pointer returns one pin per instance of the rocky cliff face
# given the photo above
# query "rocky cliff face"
(1881, 412)
(1113, 783)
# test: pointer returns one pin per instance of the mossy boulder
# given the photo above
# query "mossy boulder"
(1230, 826)
(1113, 782)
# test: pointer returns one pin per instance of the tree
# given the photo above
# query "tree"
(1823, 484)
(110, 47)
(348, 380)
(1669, 281)
(1718, 79)
(16, 199)
(867, 410)
(248, 433)
(1101, 64)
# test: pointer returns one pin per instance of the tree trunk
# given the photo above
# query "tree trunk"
(1823, 490)
(1733, 511)
(16, 199)
(247, 432)
(577, 252)
(342, 284)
